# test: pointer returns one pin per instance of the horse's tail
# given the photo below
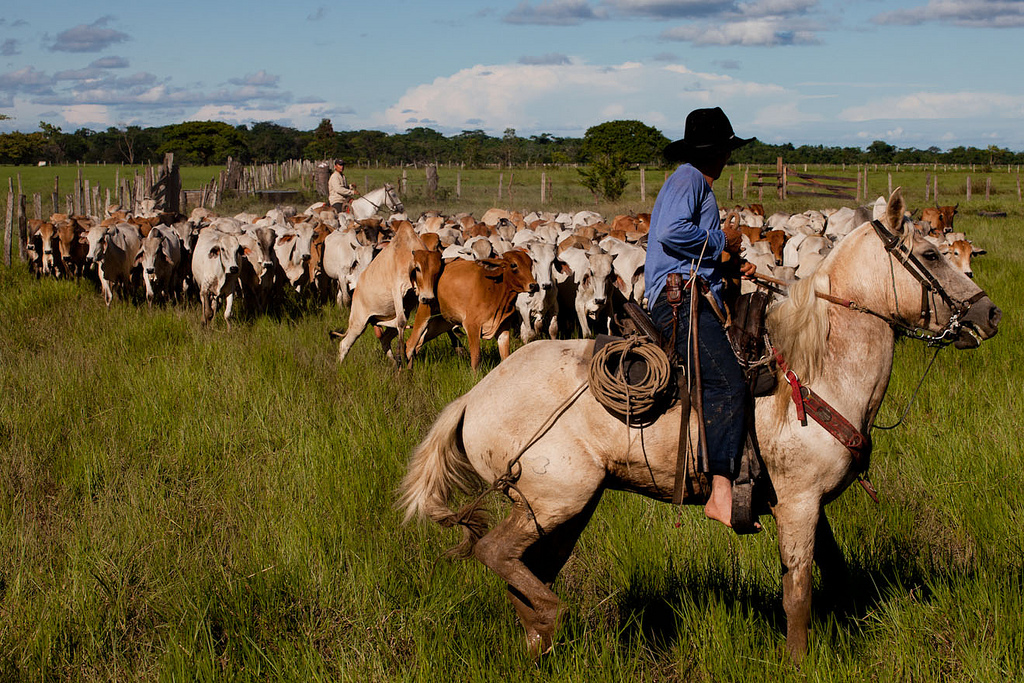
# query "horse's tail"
(439, 465)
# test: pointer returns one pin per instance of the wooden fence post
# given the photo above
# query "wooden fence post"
(405, 182)
(730, 189)
(22, 229)
(746, 172)
(501, 181)
(76, 198)
(37, 204)
(780, 169)
(9, 221)
(543, 186)
(988, 188)
(935, 188)
(55, 197)
(643, 185)
(968, 188)
(1020, 197)
(927, 185)
(889, 194)
(458, 184)
(859, 182)
(431, 172)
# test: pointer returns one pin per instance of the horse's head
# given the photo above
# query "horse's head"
(391, 199)
(931, 292)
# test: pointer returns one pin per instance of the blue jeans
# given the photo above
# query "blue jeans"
(723, 382)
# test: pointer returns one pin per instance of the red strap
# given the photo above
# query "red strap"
(794, 382)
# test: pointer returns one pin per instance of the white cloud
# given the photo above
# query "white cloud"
(87, 115)
(768, 32)
(567, 99)
(927, 105)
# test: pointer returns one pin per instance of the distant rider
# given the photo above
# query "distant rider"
(340, 193)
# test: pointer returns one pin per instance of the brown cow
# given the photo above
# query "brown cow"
(481, 297)
(48, 249)
(318, 280)
(388, 290)
(960, 253)
(73, 245)
(940, 217)
(776, 239)
(431, 241)
(624, 222)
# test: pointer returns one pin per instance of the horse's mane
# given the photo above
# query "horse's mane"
(798, 326)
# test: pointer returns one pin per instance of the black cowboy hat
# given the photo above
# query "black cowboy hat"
(707, 131)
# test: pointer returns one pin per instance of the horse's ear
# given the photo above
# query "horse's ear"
(894, 211)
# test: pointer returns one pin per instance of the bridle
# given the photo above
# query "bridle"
(900, 251)
(388, 195)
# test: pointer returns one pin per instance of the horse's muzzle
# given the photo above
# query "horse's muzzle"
(980, 323)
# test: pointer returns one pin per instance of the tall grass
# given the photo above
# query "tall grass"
(183, 503)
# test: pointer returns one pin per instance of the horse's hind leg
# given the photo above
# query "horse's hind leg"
(529, 561)
(502, 550)
(545, 559)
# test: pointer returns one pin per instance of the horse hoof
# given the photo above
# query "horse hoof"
(537, 645)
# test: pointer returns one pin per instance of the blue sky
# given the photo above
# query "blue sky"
(914, 73)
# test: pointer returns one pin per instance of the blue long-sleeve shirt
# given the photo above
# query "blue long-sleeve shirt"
(684, 218)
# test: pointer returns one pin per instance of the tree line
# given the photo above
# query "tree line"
(629, 143)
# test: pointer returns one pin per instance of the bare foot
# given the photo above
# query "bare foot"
(719, 505)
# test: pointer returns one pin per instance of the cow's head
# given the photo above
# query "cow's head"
(424, 273)
(598, 281)
(49, 245)
(777, 243)
(519, 271)
(947, 213)
(543, 256)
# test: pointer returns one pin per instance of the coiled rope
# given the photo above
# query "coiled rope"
(610, 386)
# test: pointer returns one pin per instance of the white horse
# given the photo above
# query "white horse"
(372, 202)
(530, 430)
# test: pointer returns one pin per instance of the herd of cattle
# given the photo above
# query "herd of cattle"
(556, 274)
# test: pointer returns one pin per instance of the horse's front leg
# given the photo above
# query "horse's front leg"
(797, 524)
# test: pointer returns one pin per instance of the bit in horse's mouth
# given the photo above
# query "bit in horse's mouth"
(969, 338)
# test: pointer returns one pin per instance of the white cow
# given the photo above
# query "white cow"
(160, 258)
(344, 260)
(292, 250)
(539, 310)
(588, 286)
(115, 258)
(215, 271)
(628, 264)
(255, 267)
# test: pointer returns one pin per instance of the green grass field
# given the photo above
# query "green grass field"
(181, 503)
